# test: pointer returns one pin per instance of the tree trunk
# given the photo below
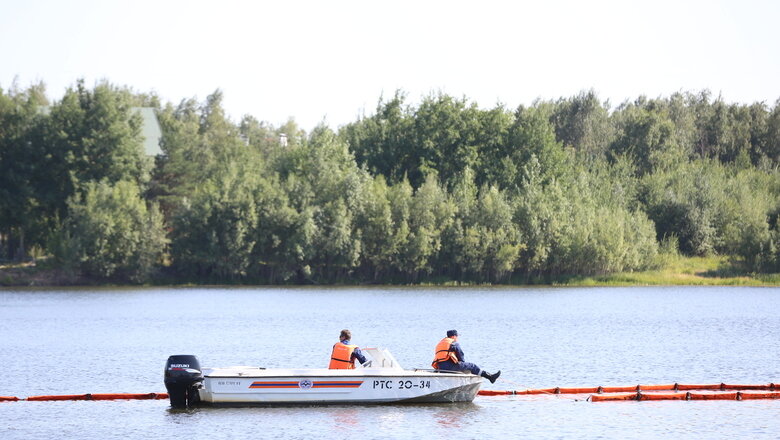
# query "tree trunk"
(16, 251)
(3, 243)
(20, 254)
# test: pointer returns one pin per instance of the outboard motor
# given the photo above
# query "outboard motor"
(183, 378)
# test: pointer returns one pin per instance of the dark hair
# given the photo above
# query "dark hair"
(345, 335)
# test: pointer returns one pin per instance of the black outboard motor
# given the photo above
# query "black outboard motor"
(183, 378)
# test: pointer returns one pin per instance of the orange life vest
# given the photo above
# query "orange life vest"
(443, 353)
(341, 358)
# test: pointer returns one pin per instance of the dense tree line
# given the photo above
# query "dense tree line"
(438, 190)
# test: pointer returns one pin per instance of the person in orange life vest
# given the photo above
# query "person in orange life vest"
(344, 354)
(449, 356)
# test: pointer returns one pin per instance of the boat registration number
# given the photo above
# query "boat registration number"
(400, 384)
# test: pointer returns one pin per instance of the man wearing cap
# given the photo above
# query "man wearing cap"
(449, 356)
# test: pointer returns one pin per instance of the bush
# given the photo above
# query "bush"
(214, 233)
(111, 234)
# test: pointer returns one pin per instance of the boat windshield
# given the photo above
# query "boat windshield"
(380, 358)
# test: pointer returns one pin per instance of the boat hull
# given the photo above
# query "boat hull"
(322, 386)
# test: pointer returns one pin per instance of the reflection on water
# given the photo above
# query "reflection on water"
(74, 342)
(346, 418)
(390, 420)
(181, 416)
(455, 417)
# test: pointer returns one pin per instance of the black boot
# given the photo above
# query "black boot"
(491, 377)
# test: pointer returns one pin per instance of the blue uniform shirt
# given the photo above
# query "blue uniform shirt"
(462, 365)
(357, 354)
(455, 348)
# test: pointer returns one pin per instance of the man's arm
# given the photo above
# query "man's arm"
(455, 348)
(357, 354)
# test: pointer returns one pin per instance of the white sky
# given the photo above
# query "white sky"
(331, 60)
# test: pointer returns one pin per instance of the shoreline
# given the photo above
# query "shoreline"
(681, 271)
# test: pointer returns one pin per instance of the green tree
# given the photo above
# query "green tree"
(111, 234)
(213, 234)
(772, 144)
(337, 186)
(259, 135)
(198, 141)
(749, 199)
(284, 233)
(485, 242)
(647, 135)
(445, 137)
(686, 202)
(375, 225)
(582, 122)
(22, 170)
(100, 135)
(382, 142)
(323, 192)
(532, 144)
(583, 223)
(430, 212)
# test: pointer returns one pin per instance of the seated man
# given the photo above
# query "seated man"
(344, 354)
(449, 356)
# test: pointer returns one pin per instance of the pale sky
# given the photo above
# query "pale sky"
(331, 60)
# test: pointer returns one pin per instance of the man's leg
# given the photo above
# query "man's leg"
(468, 366)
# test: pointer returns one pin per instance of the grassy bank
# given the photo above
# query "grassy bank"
(31, 274)
(676, 270)
(681, 271)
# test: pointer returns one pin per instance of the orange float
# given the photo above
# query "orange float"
(89, 396)
(128, 396)
(618, 389)
(656, 387)
(662, 396)
(713, 396)
(756, 396)
(59, 397)
(537, 391)
(494, 393)
(612, 397)
(747, 387)
(698, 387)
(576, 390)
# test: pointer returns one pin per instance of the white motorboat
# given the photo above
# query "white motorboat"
(380, 380)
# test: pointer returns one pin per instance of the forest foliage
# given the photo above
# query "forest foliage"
(438, 190)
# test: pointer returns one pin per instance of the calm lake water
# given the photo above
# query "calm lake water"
(109, 341)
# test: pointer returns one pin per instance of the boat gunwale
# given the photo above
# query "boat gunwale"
(400, 373)
(334, 377)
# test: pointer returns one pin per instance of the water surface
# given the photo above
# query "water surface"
(117, 340)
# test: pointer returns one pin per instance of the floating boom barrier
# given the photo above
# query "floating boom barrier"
(687, 395)
(597, 394)
(89, 396)
(652, 392)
